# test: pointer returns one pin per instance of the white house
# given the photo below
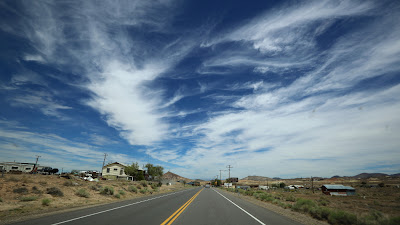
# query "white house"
(115, 170)
(18, 167)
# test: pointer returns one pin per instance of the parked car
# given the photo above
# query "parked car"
(207, 186)
(243, 187)
(263, 187)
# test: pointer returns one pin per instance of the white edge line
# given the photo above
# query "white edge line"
(77, 218)
(241, 208)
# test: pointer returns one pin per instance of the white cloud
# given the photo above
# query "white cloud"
(286, 35)
(44, 103)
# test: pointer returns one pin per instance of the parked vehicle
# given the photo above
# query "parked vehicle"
(243, 187)
(263, 187)
(207, 186)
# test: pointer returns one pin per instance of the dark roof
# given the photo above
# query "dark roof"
(337, 187)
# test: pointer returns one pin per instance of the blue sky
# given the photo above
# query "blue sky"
(272, 88)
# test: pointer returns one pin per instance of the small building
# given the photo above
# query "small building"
(233, 180)
(18, 167)
(114, 171)
(228, 185)
(336, 189)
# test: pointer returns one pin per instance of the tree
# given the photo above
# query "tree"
(140, 175)
(155, 172)
(133, 170)
(216, 182)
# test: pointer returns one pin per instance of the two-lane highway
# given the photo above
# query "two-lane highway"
(193, 206)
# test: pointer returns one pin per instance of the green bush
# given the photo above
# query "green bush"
(133, 189)
(143, 183)
(394, 220)
(160, 184)
(95, 187)
(154, 186)
(303, 205)
(121, 192)
(342, 218)
(46, 202)
(22, 190)
(241, 191)
(291, 198)
(1, 200)
(143, 191)
(28, 199)
(267, 198)
(117, 196)
(107, 191)
(275, 201)
(249, 193)
(320, 213)
(139, 187)
(55, 192)
(82, 193)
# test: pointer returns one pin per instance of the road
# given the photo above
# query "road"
(191, 206)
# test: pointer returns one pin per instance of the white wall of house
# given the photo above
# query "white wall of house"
(16, 166)
(114, 169)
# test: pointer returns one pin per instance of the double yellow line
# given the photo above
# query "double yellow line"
(178, 212)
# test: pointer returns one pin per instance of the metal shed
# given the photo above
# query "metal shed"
(335, 189)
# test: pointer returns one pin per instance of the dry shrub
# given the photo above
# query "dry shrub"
(55, 192)
(22, 190)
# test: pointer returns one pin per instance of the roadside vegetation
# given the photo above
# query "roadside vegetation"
(321, 209)
(30, 194)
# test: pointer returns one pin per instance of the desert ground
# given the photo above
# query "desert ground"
(32, 195)
(377, 201)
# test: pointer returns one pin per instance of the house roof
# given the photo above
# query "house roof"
(337, 186)
(115, 163)
(122, 164)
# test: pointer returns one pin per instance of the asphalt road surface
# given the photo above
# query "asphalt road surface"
(192, 206)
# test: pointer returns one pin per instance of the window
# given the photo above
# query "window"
(14, 167)
(121, 171)
(27, 168)
(115, 169)
(108, 170)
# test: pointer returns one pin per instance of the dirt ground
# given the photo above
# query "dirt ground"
(384, 199)
(298, 217)
(23, 196)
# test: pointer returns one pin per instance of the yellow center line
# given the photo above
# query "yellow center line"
(178, 212)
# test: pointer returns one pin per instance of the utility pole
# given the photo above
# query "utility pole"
(229, 168)
(105, 156)
(220, 177)
(312, 184)
(35, 167)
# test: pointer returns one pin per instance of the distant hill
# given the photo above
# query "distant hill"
(256, 178)
(370, 175)
(172, 176)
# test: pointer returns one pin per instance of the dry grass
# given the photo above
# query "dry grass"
(374, 205)
(32, 196)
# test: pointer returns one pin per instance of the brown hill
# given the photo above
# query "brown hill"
(257, 178)
(172, 176)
